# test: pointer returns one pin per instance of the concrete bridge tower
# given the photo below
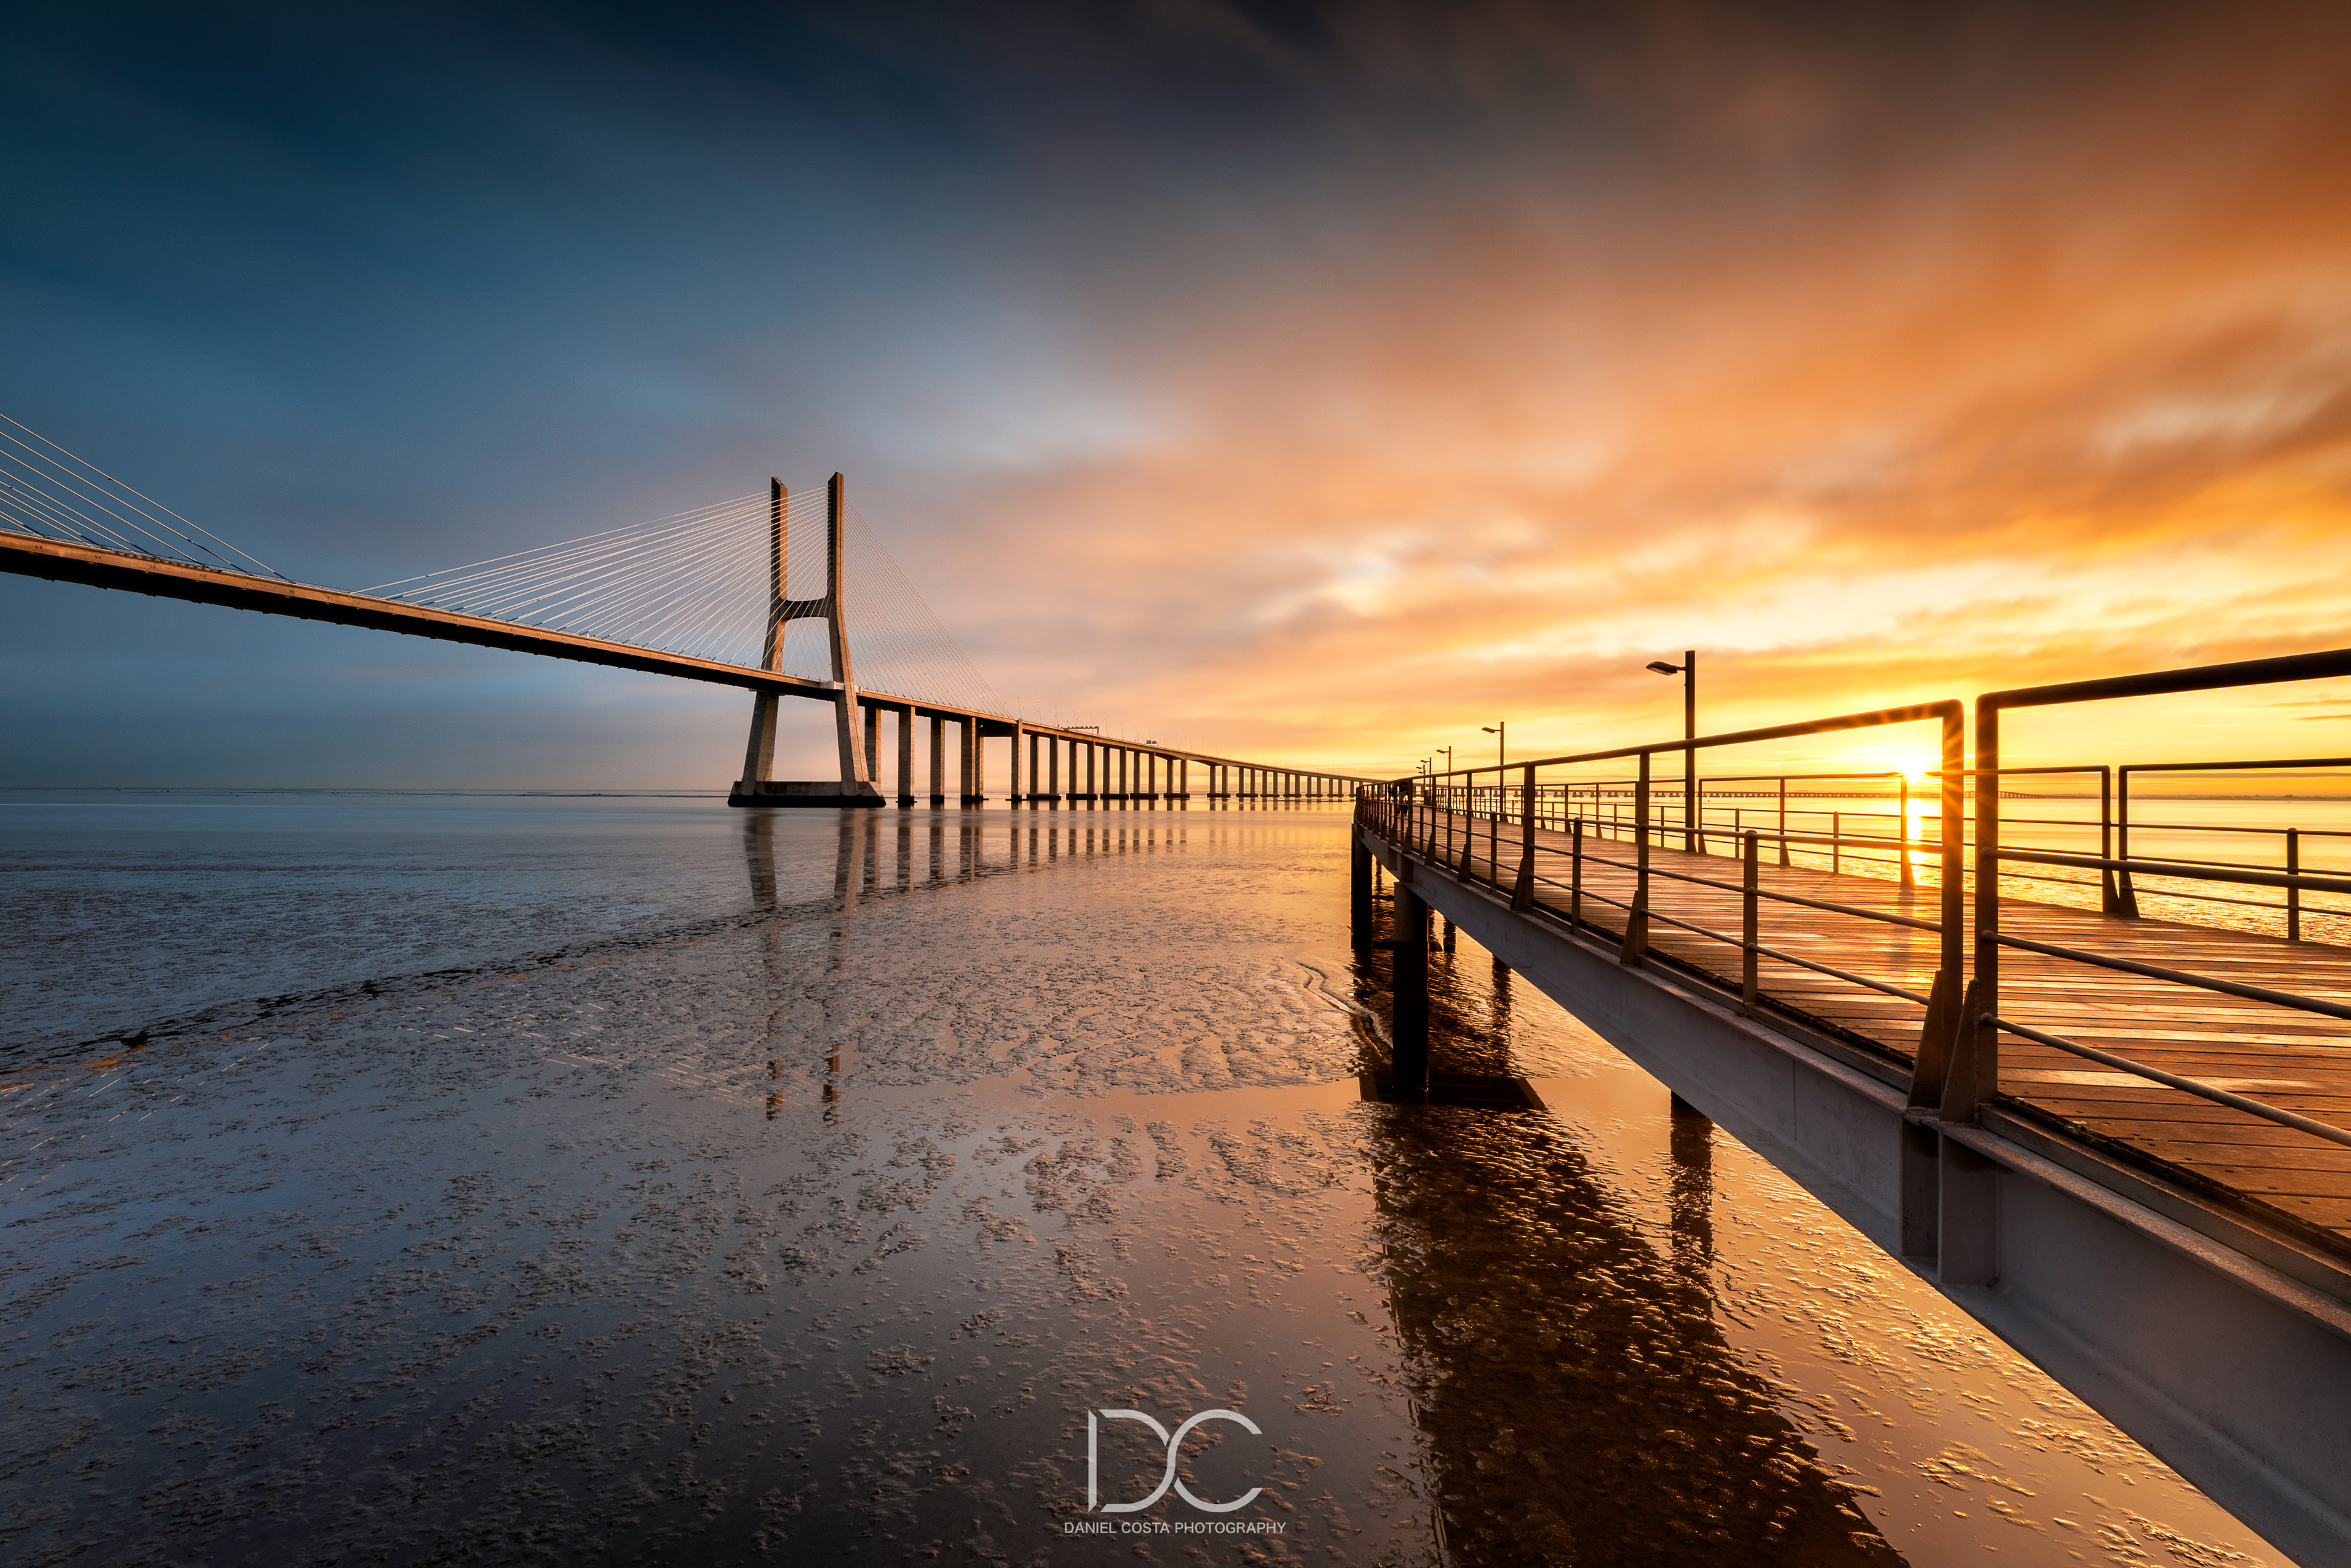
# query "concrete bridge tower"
(855, 787)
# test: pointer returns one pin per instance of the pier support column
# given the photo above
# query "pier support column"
(939, 760)
(1409, 991)
(906, 755)
(1359, 888)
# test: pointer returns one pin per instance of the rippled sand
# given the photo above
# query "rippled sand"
(810, 1232)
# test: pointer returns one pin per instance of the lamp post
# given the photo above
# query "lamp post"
(1688, 670)
(1500, 729)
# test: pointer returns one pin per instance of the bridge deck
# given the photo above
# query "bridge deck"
(2297, 1061)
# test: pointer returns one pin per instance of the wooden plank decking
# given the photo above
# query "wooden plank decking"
(2296, 1061)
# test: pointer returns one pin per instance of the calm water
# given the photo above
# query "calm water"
(409, 1179)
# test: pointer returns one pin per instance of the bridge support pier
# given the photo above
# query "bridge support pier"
(1408, 994)
(906, 755)
(1359, 890)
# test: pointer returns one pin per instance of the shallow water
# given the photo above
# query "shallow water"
(653, 1183)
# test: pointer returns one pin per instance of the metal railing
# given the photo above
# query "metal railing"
(1956, 1067)
(1976, 1063)
(1444, 815)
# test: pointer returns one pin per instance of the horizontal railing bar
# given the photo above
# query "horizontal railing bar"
(2234, 767)
(1761, 892)
(1768, 952)
(2164, 682)
(2139, 826)
(1916, 712)
(2194, 1086)
(2172, 868)
(2182, 977)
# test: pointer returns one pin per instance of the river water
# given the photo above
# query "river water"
(504, 1179)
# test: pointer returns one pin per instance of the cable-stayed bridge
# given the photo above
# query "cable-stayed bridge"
(785, 595)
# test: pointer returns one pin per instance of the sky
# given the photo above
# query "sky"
(1316, 383)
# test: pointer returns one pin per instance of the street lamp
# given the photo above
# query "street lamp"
(1500, 729)
(1688, 670)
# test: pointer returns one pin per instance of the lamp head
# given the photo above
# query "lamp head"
(1662, 667)
(1488, 729)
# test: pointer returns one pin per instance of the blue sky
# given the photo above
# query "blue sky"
(1313, 382)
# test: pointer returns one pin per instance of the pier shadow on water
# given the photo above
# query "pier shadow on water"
(1580, 1401)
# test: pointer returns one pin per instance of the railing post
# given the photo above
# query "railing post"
(1984, 988)
(1966, 1212)
(1909, 880)
(1783, 819)
(1575, 871)
(1921, 1160)
(2125, 892)
(1494, 834)
(2109, 893)
(2294, 895)
(1967, 1215)
(1636, 919)
(1522, 895)
(1468, 831)
(1749, 912)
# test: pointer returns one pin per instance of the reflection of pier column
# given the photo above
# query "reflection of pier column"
(1408, 989)
(759, 858)
(1691, 1201)
(846, 863)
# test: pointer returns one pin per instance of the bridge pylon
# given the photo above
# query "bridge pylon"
(855, 787)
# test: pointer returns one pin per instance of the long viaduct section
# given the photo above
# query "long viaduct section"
(1045, 763)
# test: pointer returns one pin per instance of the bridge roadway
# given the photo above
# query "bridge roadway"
(2184, 1267)
(30, 555)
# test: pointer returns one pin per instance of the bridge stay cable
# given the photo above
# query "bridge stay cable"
(690, 595)
(53, 495)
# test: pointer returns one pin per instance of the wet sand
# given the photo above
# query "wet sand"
(812, 1231)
